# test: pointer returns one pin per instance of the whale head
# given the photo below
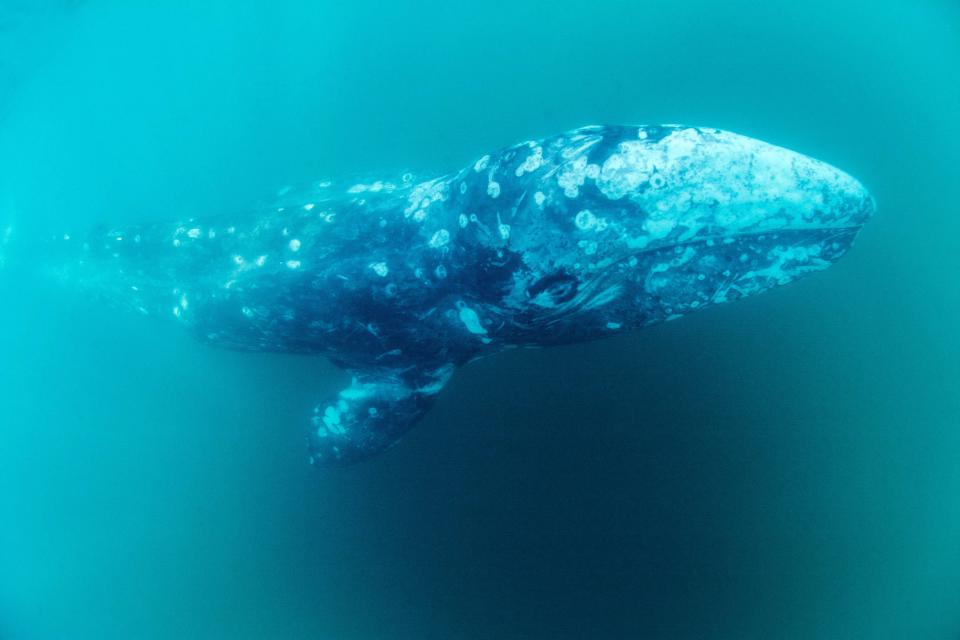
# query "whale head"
(628, 226)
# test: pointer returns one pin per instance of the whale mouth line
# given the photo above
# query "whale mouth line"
(756, 233)
(822, 234)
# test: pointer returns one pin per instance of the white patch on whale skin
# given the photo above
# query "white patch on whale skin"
(532, 163)
(659, 228)
(589, 247)
(572, 177)
(439, 239)
(380, 268)
(331, 420)
(470, 319)
(604, 297)
(802, 259)
(502, 228)
(422, 196)
(585, 220)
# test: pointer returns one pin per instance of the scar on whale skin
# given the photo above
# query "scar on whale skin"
(399, 281)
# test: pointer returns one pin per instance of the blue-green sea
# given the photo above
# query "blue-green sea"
(785, 467)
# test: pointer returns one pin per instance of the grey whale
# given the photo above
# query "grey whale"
(574, 237)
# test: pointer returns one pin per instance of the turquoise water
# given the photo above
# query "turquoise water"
(783, 467)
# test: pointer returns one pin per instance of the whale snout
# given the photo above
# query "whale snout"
(861, 205)
(832, 197)
(822, 218)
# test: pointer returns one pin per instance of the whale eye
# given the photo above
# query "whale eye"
(553, 290)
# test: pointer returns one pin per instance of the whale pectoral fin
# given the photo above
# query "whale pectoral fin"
(371, 414)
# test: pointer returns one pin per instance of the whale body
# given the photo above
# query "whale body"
(399, 281)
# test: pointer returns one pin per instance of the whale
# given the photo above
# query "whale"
(401, 280)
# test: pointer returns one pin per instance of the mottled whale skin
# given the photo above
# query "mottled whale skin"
(570, 238)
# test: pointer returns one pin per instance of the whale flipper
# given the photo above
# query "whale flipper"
(373, 412)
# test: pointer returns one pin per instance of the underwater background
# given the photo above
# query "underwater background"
(784, 467)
